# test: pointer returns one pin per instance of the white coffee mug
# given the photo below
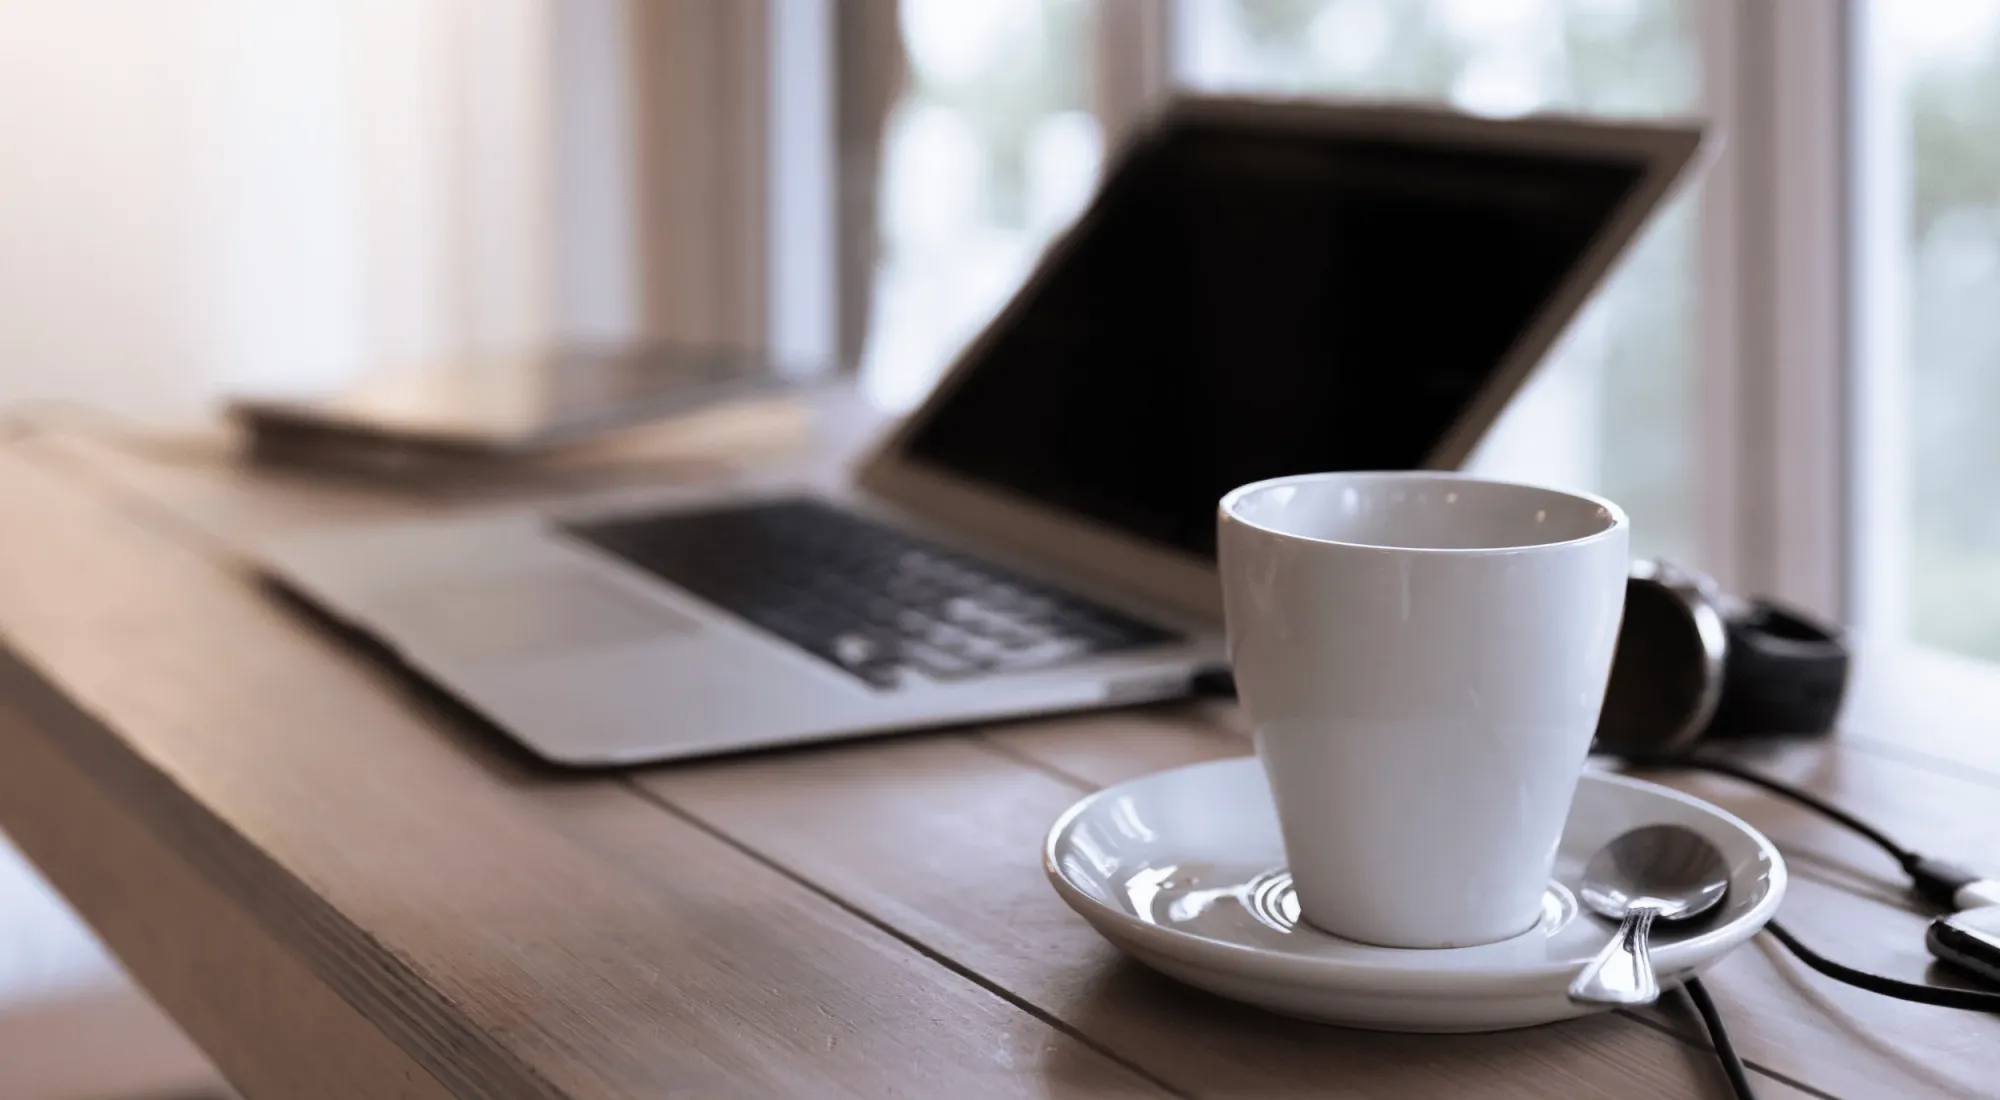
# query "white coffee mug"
(1423, 657)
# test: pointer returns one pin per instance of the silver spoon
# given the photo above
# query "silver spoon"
(1659, 872)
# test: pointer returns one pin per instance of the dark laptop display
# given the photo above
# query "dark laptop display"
(1243, 303)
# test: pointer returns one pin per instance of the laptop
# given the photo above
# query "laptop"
(1258, 288)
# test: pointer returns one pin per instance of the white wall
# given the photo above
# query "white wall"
(209, 193)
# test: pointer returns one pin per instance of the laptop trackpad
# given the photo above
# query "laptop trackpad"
(554, 610)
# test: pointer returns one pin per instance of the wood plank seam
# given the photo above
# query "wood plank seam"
(1692, 1037)
(1703, 1043)
(1918, 758)
(668, 806)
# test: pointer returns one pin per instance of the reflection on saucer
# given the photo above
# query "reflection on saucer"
(1170, 895)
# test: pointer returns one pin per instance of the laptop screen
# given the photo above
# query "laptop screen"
(1243, 303)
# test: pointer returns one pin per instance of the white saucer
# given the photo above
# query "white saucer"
(1184, 870)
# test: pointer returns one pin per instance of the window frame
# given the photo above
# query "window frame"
(1879, 285)
(1777, 374)
(1874, 313)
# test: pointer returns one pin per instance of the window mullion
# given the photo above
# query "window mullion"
(1775, 375)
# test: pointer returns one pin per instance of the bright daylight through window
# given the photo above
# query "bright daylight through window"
(991, 151)
(1943, 58)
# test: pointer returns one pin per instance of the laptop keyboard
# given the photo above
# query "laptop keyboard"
(864, 596)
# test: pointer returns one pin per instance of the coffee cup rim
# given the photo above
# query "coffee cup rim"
(1229, 505)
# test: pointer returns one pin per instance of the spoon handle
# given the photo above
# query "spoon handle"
(1622, 973)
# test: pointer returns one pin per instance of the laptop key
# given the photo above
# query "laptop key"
(856, 650)
(1041, 654)
(936, 663)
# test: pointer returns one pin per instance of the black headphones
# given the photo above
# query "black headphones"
(1694, 663)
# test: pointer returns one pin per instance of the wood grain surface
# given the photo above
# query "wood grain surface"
(285, 839)
(517, 933)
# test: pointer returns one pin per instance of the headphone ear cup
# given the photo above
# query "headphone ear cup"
(1787, 674)
(1666, 675)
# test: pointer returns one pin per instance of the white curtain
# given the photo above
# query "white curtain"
(199, 196)
(207, 194)
(204, 196)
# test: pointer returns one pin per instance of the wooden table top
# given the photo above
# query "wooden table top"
(342, 886)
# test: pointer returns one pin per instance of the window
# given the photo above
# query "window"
(1789, 381)
(992, 149)
(1940, 62)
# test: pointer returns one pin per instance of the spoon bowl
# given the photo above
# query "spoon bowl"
(1653, 873)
